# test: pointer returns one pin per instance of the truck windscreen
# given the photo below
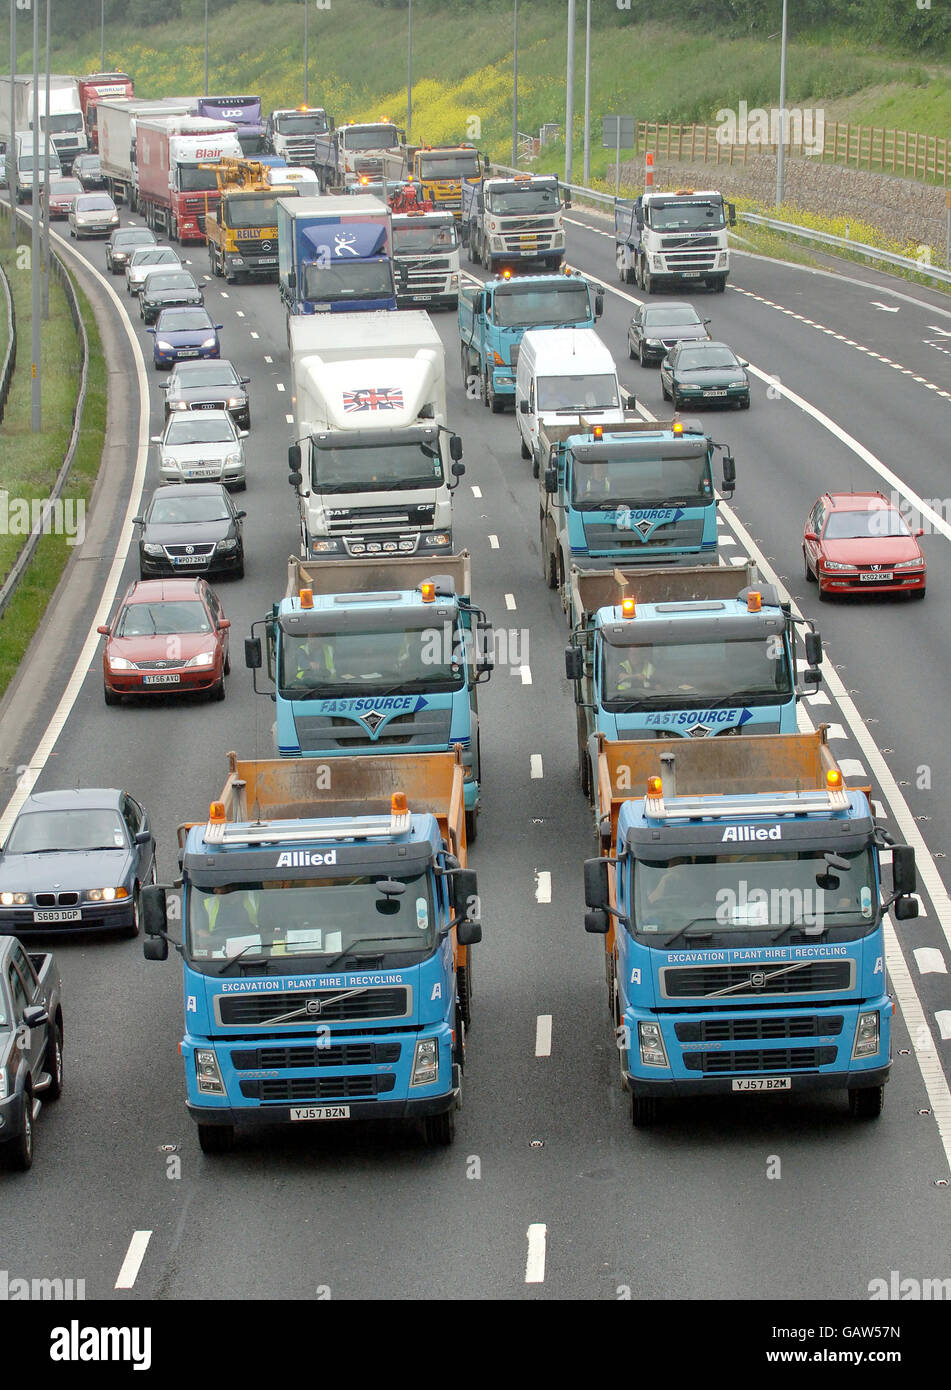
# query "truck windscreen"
(373, 468)
(511, 198)
(739, 893)
(251, 212)
(629, 484)
(368, 280)
(577, 393)
(309, 123)
(337, 666)
(693, 675)
(193, 179)
(378, 138)
(419, 238)
(251, 142)
(524, 307)
(69, 120)
(314, 917)
(462, 164)
(686, 217)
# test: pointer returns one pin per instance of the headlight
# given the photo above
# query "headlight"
(237, 260)
(208, 343)
(425, 1063)
(114, 218)
(202, 659)
(439, 538)
(208, 1073)
(736, 383)
(14, 899)
(150, 549)
(105, 895)
(835, 565)
(908, 564)
(233, 461)
(179, 405)
(119, 663)
(686, 386)
(657, 262)
(234, 401)
(227, 545)
(163, 346)
(653, 342)
(651, 1042)
(4, 1085)
(325, 547)
(866, 1035)
(453, 281)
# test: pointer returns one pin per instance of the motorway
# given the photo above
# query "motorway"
(851, 390)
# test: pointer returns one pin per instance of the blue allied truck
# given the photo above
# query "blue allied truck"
(334, 255)
(494, 316)
(327, 928)
(740, 895)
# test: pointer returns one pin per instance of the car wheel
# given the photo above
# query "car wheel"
(218, 691)
(54, 1064)
(228, 663)
(663, 388)
(239, 572)
(642, 356)
(133, 928)
(824, 594)
(110, 696)
(674, 400)
(19, 1151)
(745, 404)
(917, 594)
(810, 578)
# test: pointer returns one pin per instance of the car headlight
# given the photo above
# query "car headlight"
(14, 899)
(149, 548)
(208, 343)
(114, 218)
(737, 383)
(119, 663)
(163, 346)
(908, 564)
(233, 461)
(179, 405)
(105, 895)
(835, 565)
(686, 386)
(230, 544)
(234, 402)
(202, 659)
(653, 342)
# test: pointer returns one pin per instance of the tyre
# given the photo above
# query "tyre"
(745, 405)
(496, 403)
(110, 696)
(917, 594)
(484, 389)
(619, 263)
(824, 595)
(642, 356)
(526, 451)
(472, 826)
(663, 388)
(674, 400)
(808, 575)
(440, 1130)
(720, 284)
(649, 286)
(19, 1151)
(215, 1139)
(133, 929)
(228, 664)
(53, 1064)
(584, 772)
(218, 691)
(464, 989)
(866, 1102)
(643, 1111)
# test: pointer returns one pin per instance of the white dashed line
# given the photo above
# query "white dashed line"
(526, 674)
(494, 542)
(543, 1035)
(930, 961)
(289, 419)
(851, 767)
(536, 765)
(225, 294)
(543, 886)
(268, 359)
(510, 602)
(133, 1259)
(254, 335)
(476, 491)
(878, 810)
(819, 698)
(279, 385)
(535, 1263)
(239, 313)
(943, 1020)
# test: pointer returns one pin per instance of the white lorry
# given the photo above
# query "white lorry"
(375, 464)
(673, 240)
(116, 120)
(67, 130)
(426, 246)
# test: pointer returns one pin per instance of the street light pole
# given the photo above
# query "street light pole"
(10, 156)
(45, 258)
(306, 52)
(781, 148)
(515, 90)
(409, 73)
(570, 92)
(36, 411)
(587, 95)
(206, 47)
(102, 35)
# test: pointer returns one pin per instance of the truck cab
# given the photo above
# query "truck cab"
(293, 133)
(426, 248)
(673, 239)
(441, 169)
(508, 223)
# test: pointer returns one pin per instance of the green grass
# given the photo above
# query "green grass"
(29, 463)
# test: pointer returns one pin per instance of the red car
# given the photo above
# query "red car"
(168, 636)
(62, 195)
(854, 542)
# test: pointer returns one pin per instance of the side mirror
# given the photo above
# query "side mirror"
(470, 933)
(551, 480)
(742, 363)
(595, 921)
(244, 380)
(252, 653)
(219, 327)
(810, 536)
(478, 303)
(464, 892)
(598, 305)
(224, 624)
(919, 532)
(143, 837)
(296, 478)
(574, 663)
(103, 629)
(905, 909)
(151, 330)
(35, 1016)
(458, 469)
(239, 516)
(596, 883)
(153, 910)
(731, 213)
(729, 473)
(455, 446)
(243, 434)
(294, 457)
(155, 438)
(904, 875)
(523, 407)
(155, 948)
(813, 645)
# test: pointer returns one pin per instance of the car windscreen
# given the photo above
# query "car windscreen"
(185, 321)
(567, 302)
(686, 217)
(84, 828)
(181, 511)
(675, 315)
(379, 138)
(577, 393)
(191, 377)
(154, 255)
(95, 204)
(192, 428)
(871, 523)
(619, 485)
(134, 236)
(60, 187)
(697, 361)
(377, 468)
(371, 280)
(169, 282)
(175, 616)
(454, 164)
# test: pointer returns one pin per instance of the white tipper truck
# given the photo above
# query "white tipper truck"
(375, 463)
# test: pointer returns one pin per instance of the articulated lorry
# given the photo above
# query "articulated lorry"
(346, 153)
(692, 653)
(97, 87)
(334, 255)
(636, 492)
(378, 656)
(426, 256)
(242, 229)
(118, 153)
(176, 189)
(673, 240)
(375, 462)
(740, 895)
(293, 132)
(66, 129)
(245, 115)
(495, 315)
(327, 931)
(511, 222)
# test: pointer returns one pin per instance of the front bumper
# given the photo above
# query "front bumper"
(96, 917)
(168, 357)
(230, 476)
(157, 566)
(830, 583)
(194, 682)
(359, 1110)
(716, 395)
(723, 1085)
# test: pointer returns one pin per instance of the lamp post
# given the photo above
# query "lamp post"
(306, 52)
(570, 92)
(45, 258)
(102, 35)
(781, 148)
(587, 95)
(36, 412)
(515, 89)
(409, 73)
(10, 156)
(206, 46)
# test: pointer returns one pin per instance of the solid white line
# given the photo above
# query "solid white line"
(526, 674)
(476, 491)
(542, 886)
(930, 961)
(543, 1035)
(133, 1259)
(535, 1263)
(510, 602)
(28, 779)
(535, 762)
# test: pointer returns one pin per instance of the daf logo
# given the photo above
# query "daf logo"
(758, 979)
(312, 1007)
(373, 719)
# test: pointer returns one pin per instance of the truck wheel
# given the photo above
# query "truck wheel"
(643, 1111)
(53, 1064)
(472, 826)
(484, 388)
(619, 262)
(551, 575)
(526, 451)
(459, 1047)
(470, 250)
(440, 1130)
(536, 465)
(866, 1102)
(464, 365)
(496, 403)
(464, 989)
(584, 772)
(19, 1151)
(649, 286)
(213, 259)
(215, 1139)
(719, 284)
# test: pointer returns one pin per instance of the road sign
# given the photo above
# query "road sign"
(617, 132)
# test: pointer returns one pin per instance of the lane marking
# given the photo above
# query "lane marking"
(254, 335)
(225, 294)
(836, 731)
(818, 698)
(543, 1035)
(239, 313)
(289, 419)
(279, 385)
(930, 961)
(943, 1020)
(543, 886)
(852, 767)
(133, 1259)
(526, 674)
(535, 763)
(510, 602)
(476, 491)
(535, 1263)
(494, 542)
(268, 359)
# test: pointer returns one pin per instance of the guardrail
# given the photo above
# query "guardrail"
(10, 356)
(58, 269)
(860, 248)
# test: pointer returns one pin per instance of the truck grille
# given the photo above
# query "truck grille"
(757, 1029)
(328, 733)
(683, 254)
(329, 1005)
(771, 1060)
(346, 1055)
(318, 1088)
(603, 537)
(390, 519)
(816, 977)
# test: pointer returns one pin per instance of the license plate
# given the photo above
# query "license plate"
(187, 352)
(419, 298)
(267, 260)
(320, 1112)
(876, 578)
(202, 472)
(690, 274)
(189, 559)
(763, 1083)
(66, 915)
(714, 393)
(162, 678)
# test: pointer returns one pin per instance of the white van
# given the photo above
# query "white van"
(563, 372)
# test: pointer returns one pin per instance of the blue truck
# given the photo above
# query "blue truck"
(637, 492)
(334, 255)
(375, 656)
(739, 892)
(682, 652)
(494, 316)
(327, 926)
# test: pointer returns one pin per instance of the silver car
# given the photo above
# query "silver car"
(93, 214)
(205, 447)
(146, 258)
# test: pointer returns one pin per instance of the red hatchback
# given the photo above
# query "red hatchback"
(168, 636)
(62, 194)
(855, 542)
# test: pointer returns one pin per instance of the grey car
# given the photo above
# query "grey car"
(202, 386)
(656, 328)
(93, 214)
(145, 259)
(122, 243)
(74, 861)
(164, 289)
(202, 446)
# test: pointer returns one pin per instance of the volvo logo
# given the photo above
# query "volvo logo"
(758, 979)
(312, 1007)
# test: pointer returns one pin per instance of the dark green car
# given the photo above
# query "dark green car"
(695, 373)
